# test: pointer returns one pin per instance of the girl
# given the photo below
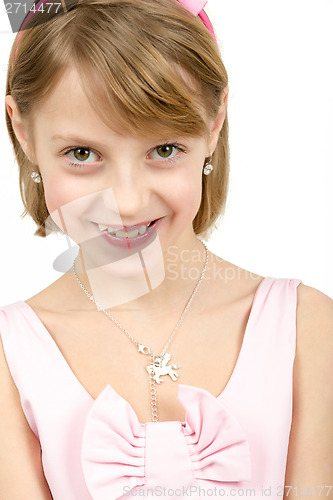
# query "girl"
(141, 371)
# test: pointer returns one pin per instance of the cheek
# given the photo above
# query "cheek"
(186, 195)
(66, 205)
(58, 193)
(55, 197)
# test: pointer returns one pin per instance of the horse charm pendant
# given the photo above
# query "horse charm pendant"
(159, 367)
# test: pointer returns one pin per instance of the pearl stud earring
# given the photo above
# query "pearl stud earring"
(208, 166)
(36, 177)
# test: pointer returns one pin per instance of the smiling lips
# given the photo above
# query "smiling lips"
(131, 232)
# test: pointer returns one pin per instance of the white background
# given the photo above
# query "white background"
(278, 223)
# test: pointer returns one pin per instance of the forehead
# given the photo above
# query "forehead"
(83, 102)
(68, 106)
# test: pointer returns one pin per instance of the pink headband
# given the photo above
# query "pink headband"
(194, 6)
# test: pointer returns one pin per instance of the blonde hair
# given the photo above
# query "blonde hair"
(155, 65)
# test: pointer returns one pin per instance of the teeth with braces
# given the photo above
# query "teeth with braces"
(119, 233)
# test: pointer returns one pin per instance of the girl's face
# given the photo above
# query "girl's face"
(93, 175)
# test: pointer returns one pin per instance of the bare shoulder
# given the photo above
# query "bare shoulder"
(314, 344)
(310, 453)
(314, 340)
(313, 305)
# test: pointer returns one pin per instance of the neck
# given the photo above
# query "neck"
(143, 283)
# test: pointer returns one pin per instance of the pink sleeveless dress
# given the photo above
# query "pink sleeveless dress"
(97, 449)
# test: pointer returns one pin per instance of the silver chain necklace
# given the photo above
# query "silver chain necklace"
(158, 363)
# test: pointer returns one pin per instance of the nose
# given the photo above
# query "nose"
(130, 191)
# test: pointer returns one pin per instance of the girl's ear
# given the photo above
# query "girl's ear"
(18, 124)
(217, 124)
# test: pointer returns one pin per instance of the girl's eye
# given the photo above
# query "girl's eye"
(166, 152)
(81, 155)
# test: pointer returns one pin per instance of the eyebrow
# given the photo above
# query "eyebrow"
(77, 140)
(81, 141)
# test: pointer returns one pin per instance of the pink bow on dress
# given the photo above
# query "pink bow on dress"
(119, 453)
